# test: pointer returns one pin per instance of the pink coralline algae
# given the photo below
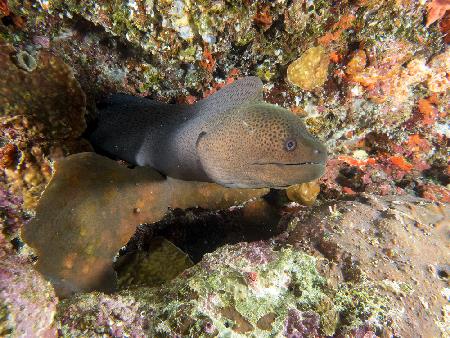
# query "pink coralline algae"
(377, 164)
(27, 301)
(388, 79)
(117, 316)
(301, 324)
(11, 215)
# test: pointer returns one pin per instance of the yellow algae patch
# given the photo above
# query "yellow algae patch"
(304, 193)
(310, 70)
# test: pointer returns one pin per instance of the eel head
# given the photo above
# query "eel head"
(260, 145)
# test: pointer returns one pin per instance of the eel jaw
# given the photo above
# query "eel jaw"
(288, 174)
(287, 164)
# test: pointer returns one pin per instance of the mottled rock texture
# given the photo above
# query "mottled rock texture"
(372, 263)
(27, 301)
(42, 110)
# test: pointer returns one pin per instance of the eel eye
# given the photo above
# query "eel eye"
(290, 145)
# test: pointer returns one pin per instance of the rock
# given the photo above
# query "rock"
(435, 192)
(162, 262)
(232, 291)
(267, 288)
(392, 241)
(44, 101)
(27, 301)
(42, 110)
(392, 78)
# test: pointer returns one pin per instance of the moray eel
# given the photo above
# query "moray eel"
(232, 138)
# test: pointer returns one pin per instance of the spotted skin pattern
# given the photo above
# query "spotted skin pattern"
(232, 138)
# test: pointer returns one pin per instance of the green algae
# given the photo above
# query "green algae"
(265, 71)
(291, 281)
(151, 78)
(359, 302)
(5, 324)
(231, 293)
(290, 270)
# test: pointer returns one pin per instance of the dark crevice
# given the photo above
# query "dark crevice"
(274, 30)
(8, 20)
(125, 49)
(158, 18)
(197, 231)
(442, 272)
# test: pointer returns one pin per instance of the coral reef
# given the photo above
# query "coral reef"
(241, 290)
(387, 80)
(177, 50)
(399, 242)
(42, 111)
(415, 168)
(371, 258)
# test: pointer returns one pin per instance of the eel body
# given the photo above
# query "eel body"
(232, 138)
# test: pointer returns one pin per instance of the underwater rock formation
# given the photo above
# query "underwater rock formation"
(399, 242)
(27, 301)
(42, 110)
(375, 253)
(91, 208)
(242, 290)
(383, 112)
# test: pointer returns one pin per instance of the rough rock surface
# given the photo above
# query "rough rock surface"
(401, 243)
(42, 112)
(373, 265)
(27, 301)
